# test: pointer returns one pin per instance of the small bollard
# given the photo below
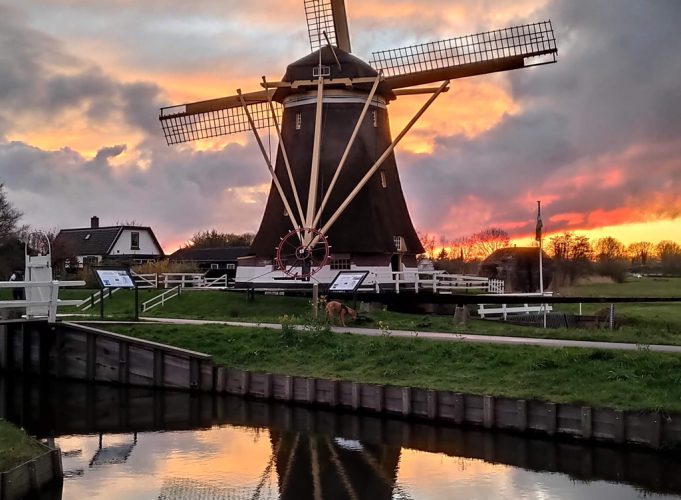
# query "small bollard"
(461, 314)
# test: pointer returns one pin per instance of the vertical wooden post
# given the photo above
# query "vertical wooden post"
(91, 356)
(406, 401)
(521, 415)
(459, 408)
(488, 412)
(315, 300)
(587, 423)
(431, 404)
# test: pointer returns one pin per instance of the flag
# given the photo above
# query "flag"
(540, 225)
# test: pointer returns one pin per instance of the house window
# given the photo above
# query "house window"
(230, 266)
(90, 260)
(215, 266)
(375, 115)
(299, 121)
(399, 244)
(384, 182)
(340, 264)
(134, 240)
(87, 236)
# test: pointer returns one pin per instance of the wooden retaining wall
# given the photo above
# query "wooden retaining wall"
(31, 476)
(83, 353)
(651, 429)
(78, 352)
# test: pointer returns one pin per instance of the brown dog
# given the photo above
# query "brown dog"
(335, 308)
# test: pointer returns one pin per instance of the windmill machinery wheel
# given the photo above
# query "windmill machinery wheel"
(302, 252)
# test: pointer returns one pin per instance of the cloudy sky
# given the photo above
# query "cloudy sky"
(597, 136)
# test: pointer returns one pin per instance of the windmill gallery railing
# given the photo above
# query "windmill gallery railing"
(50, 294)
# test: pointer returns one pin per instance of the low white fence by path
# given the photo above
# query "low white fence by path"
(503, 310)
(161, 299)
(96, 298)
(149, 280)
(52, 291)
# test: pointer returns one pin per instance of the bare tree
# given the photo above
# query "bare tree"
(609, 249)
(428, 242)
(640, 252)
(9, 216)
(669, 254)
(489, 240)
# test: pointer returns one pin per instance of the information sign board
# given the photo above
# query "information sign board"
(348, 281)
(115, 278)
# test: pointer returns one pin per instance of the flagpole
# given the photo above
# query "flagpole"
(541, 257)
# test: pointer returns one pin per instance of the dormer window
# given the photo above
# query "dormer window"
(134, 240)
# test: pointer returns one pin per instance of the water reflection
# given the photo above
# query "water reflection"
(215, 448)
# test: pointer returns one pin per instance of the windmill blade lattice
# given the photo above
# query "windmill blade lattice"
(469, 55)
(191, 122)
(319, 16)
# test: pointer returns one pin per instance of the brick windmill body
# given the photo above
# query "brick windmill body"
(336, 201)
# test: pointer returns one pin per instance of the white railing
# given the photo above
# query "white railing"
(503, 310)
(149, 280)
(52, 304)
(435, 281)
(161, 299)
(96, 298)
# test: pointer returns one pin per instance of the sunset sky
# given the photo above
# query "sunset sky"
(596, 137)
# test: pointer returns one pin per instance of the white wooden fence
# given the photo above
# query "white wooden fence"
(161, 299)
(436, 281)
(503, 310)
(52, 287)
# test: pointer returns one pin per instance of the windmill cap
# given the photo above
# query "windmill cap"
(351, 67)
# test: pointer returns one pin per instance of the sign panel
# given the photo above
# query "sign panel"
(115, 278)
(348, 281)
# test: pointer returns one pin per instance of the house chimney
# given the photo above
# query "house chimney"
(94, 222)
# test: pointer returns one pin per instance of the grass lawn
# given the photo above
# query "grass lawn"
(638, 380)
(638, 323)
(16, 447)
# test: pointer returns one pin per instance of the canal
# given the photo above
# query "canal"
(129, 443)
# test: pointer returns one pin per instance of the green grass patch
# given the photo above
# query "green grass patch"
(637, 380)
(16, 447)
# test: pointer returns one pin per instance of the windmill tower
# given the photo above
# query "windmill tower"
(336, 201)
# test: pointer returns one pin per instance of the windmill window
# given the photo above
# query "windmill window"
(299, 121)
(134, 240)
(87, 236)
(399, 244)
(384, 181)
(375, 115)
(318, 71)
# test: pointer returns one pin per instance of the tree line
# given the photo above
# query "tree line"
(572, 254)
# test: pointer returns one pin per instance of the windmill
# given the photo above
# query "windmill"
(336, 201)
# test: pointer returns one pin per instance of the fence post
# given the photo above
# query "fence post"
(54, 299)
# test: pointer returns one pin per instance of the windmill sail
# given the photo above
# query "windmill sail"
(327, 16)
(500, 50)
(216, 117)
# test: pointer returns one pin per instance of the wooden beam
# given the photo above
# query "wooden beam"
(349, 82)
(418, 91)
(268, 162)
(340, 25)
(346, 153)
(380, 161)
(284, 154)
(316, 157)
(215, 104)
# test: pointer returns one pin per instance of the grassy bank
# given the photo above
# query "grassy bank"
(638, 380)
(16, 447)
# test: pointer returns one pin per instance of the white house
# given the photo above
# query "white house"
(91, 245)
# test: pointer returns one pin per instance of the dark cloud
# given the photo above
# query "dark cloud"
(610, 105)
